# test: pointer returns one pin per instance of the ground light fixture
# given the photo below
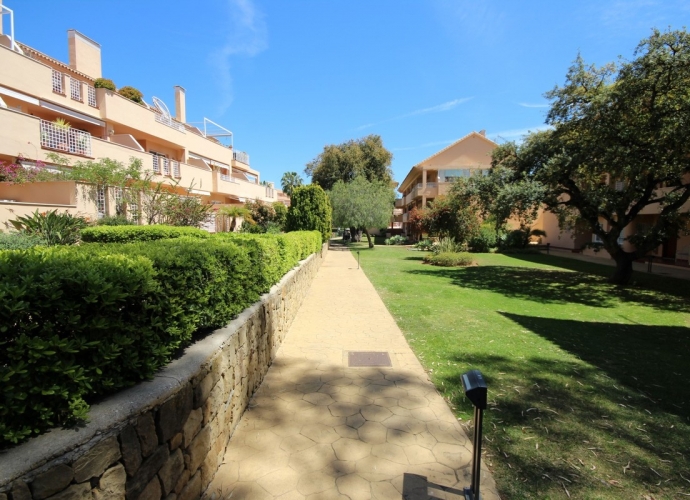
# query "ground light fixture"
(475, 389)
(357, 259)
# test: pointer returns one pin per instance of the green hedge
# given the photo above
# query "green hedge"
(130, 234)
(80, 322)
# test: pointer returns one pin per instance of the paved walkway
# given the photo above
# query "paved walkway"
(317, 429)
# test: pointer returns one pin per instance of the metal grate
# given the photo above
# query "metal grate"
(368, 358)
(65, 139)
(91, 93)
(58, 82)
(75, 89)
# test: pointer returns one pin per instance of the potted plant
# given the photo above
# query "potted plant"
(62, 128)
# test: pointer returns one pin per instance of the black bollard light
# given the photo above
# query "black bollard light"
(357, 259)
(475, 389)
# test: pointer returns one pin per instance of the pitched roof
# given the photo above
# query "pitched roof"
(473, 133)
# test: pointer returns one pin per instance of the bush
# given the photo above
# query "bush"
(130, 234)
(80, 322)
(450, 259)
(105, 83)
(484, 241)
(448, 245)
(132, 94)
(54, 228)
(398, 239)
(310, 210)
(20, 241)
(115, 220)
(424, 245)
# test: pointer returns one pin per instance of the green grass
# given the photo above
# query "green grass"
(589, 383)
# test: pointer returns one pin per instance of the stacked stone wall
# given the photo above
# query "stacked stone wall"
(163, 439)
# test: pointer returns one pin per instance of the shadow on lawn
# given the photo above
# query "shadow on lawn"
(554, 286)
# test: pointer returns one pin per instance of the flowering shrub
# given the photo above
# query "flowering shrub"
(18, 174)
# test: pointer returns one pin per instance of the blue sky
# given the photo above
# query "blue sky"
(290, 76)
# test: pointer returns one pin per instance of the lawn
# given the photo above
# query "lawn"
(588, 383)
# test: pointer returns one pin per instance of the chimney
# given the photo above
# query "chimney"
(180, 108)
(84, 54)
(482, 132)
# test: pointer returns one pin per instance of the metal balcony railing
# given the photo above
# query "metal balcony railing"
(167, 120)
(241, 156)
(65, 139)
(228, 178)
(175, 168)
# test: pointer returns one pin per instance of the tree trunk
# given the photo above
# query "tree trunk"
(371, 243)
(624, 268)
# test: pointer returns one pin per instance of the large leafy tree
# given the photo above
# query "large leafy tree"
(366, 157)
(290, 181)
(362, 204)
(619, 145)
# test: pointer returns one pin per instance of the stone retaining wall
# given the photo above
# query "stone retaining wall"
(164, 438)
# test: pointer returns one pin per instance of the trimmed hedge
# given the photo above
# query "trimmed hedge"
(450, 259)
(80, 322)
(130, 234)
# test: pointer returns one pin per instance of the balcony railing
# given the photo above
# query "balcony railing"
(76, 90)
(228, 178)
(175, 168)
(65, 139)
(167, 120)
(397, 225)
(241, 156)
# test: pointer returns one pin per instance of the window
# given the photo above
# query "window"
(100, 201)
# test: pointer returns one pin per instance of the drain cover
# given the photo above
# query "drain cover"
(368, 358)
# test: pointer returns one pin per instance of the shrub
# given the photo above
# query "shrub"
(105, 83)
(450, 259)
(424, 245)
(132, 94)
(448, 245)
(54, 228)
(130, 234)
(310, 210)
(398, 239)
(20, 241)
(84, 321)
(484, 241)
(115, 220)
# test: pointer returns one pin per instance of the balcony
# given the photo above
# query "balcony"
(165, 166)
(228, 178)
(65, 139)
(240, 156)
(399, 203)
(76, 88)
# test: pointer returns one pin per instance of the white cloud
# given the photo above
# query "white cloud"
(247, 36)
(530, 105)
(440, 108)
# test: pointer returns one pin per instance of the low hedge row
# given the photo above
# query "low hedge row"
(130, 234)
(80, 322)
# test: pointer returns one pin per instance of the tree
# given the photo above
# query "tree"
(448, 218)
(362, 204)
(290, 181)
(281, 214)
(310, 210)
(366, 157)
(235, 211)
(619, 144)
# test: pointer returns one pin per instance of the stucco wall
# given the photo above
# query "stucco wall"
(167, 436)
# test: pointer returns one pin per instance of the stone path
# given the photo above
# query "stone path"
(317, 429)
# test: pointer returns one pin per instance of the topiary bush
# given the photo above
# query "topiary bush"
(448, 259)
(310, 210)
(130, 234)
(104, 83)
(132, 94)
(80, 322)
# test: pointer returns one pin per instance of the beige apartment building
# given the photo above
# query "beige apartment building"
(433, 177)
(38, 92)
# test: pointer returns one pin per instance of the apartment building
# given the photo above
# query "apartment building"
(435, 175)
(39, 94)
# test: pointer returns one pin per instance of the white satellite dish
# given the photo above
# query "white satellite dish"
(161, 107)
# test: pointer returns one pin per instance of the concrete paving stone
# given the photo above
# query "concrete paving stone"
(280, 481)
(435, 473)
(315, 482)
(239, 452)
(386, 401)
(350, 389)
(299, 406)
(315, 458)
(339, 468)
(391, 452)
(260, 439)
(308, 387)
(291, 495)
(379, 469)
(400, 411)
(423, 414)
(354, 399)
(291, 395)
(332, 494)
(318, 398)
(407, 424)
(373, 433)
(320, 433)
(287, 428)
(347, 432)
(296, 442)
(452, 455)
(446, 432)
(375, 413)
(343, 409)
(413, 402)
(383, 490)
(250, 490)
(401, 438)
(354, 486)
(330, 389)
(261, 464)
(425, 440)
(418, 455)
(351, 449)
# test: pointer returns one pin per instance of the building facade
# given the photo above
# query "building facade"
(48, 106)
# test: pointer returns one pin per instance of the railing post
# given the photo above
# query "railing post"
(476, 391)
